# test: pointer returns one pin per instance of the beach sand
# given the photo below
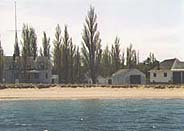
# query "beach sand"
(56, 93)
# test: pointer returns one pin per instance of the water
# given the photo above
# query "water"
(92, 115)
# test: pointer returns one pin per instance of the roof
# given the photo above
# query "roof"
(124, 71)
(166, 64)
(178, 65)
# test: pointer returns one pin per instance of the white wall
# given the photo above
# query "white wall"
(160, 76)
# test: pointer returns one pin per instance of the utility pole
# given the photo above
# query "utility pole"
(16, 38)
(16, 46)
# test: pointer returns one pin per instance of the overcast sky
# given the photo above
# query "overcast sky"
(150, 25)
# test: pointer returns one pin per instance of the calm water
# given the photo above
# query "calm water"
(92, 115)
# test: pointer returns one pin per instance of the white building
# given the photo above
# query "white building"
(168, 71)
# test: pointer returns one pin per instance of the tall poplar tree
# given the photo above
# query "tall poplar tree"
(1, 63)
(77, 67)
(106, 63)
(16, 47)
(57, 53)
(46, 45)
(66, 55)
(29, 41)
(116, 60)
(72, 52)
(33, 42)
(131, 57)
(92, 44)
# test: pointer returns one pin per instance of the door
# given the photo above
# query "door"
(177, 78)
(135, 79)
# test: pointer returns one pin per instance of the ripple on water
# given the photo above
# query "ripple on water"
(95, 115)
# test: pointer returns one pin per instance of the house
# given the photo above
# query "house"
(178, 72)
(128, 76)
(168, 71)
(162, 73)
(99, 80)
(102, 80)
(16, 70)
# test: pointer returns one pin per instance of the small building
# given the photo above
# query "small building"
(168, 71)
(34, 71)
(55, 79)
(128, 76)
(102, 80)
(162, 73)
(99, 80)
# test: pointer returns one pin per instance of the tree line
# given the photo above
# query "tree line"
(73, 63)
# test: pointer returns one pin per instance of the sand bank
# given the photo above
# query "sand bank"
(56, 93)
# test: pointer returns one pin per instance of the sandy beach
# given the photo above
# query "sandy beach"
(56, 93)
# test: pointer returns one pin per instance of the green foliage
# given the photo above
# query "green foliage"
(131, 57)
(29, 42)
(91, 45)
(77, 67)
(46, 46)
(106, 63)
(16, 46)
(148, 64)
(66, 53)
(1, 63)
(72, 64)
(57, 53)
(115, 53)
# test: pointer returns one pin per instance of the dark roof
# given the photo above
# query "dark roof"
(166, 64)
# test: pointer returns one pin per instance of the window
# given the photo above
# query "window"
(165, 74)
(154, 74)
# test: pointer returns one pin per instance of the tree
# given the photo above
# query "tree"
(33, 42)
(77, 67)
(91, 44)
(148, 64)
(29, 41)
(26, 49)
(66, 55)
(106, 63)
(1, 63)
(57, 53)
(72, 52)
(123, 59)
(131, 57)
(116, 61)
(41, 52)
(16, 47)
(46, 45)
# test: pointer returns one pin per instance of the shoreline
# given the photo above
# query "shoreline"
(57, 93)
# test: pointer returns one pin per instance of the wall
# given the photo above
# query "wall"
(160, 76)
(118, 79)
(135, 72)
(42, 76)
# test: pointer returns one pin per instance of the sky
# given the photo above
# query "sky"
(155, 26)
